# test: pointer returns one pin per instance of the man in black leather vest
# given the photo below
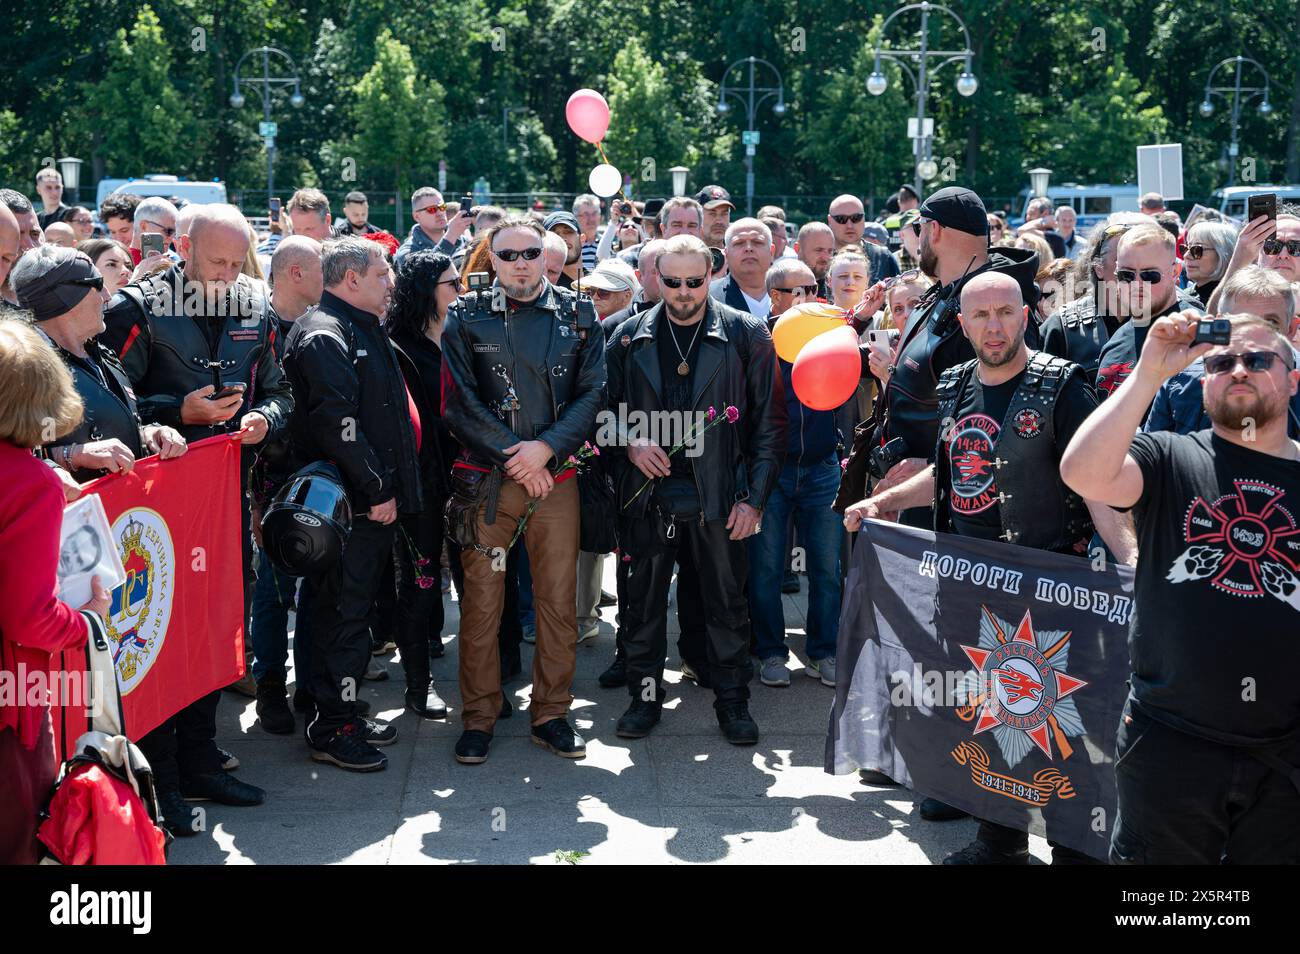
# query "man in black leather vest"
(1008, 416)
(524, 376)
(183, 335)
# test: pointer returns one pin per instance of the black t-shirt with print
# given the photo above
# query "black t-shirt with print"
(972, 456)
(1215, 640)
(677, 387)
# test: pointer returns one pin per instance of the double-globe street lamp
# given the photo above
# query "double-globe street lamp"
(267, 82)
(1238, 95)
(967, 84)
(751, 97)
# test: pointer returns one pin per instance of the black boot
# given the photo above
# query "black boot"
(425, 701)
(421, 697)
(639, 719)
(615, 675)
(178, 816)
(273, 706)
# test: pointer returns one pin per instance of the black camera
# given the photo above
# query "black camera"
(477, 281)
(883, 457)
(625, 208)
(1216, 331)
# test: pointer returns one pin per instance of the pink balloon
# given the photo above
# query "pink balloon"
(588, 115)
(828, 369)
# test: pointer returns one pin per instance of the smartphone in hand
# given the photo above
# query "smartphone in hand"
(1264, 204)
(151, 243)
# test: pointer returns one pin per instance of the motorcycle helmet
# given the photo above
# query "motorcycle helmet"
(306, 525)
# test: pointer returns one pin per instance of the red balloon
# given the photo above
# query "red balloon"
(588, 115)
(828, 369)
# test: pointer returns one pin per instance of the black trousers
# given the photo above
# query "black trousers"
(1184, 800)
(184, 745)
(341, 626)
(720, 568)
(418, 615)
(690, 611)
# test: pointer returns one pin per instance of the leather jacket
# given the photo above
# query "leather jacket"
(110, 408)
(168, 351)
(736, 366)
(534, 372)
(352, 405)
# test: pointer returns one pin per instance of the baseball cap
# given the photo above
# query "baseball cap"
(956, 208)
(712, 196)
(876, 232)
(611, 275)
(560, 217)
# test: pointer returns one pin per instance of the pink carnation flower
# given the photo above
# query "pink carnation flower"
(733, 415)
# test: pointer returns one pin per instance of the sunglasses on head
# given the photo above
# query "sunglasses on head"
(169, 232)
(669, 282)
(911, 275)
(807, 290)
(1274, 246)
(1256, 362)
(434, 207)
(846, 219)
(510, 254)
(1152, 276)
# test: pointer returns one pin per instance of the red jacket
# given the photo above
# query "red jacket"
(34, 622)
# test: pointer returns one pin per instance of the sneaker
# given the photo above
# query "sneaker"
(273, 706)
(375, 672)
(228, 760)
(737, 724)
(590, 631)
(607, 599)
(558, 737)
(347, 749)
(530, 632)
(472, 747)
(615, 675)
(378, 733)
(221, 787)
(823, 669)
(982, 853)
(382, 646)
(774, 672)
(697, 674)
(639, 719)
(178, 817)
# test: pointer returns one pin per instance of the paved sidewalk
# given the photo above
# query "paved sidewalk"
(681, 795)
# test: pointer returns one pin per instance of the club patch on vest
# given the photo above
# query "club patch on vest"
(1028, 423)
(244, 334)
(486, 348)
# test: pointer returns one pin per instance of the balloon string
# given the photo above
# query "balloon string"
(600, 148)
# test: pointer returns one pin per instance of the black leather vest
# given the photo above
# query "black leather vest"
(910, 402)
(110, 409)
(1036, 507)
(183, 357)
(1085, 333)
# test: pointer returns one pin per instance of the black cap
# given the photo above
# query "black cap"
(712, 196)
(651, 210)
(908, 190)
(560, 217)
(956, 208)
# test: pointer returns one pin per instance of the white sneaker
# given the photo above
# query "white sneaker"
(823, 669)
(589, 632)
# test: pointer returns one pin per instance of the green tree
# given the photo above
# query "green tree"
(397, 117)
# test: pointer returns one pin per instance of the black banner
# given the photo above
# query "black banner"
(986, 675)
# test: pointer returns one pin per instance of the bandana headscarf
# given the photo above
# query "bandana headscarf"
(60, 289)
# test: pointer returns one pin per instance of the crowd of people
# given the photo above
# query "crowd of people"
(454, 383)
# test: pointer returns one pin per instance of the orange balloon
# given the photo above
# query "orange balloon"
(828, 369)
(801, 324)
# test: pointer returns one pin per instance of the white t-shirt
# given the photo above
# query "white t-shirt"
(761, 307)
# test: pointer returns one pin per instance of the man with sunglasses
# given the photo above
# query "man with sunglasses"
(1146, 288)
(1269, 243)
(848, 221)
(524, 373)
(432, 230)
(690, 353)
(1208, 748)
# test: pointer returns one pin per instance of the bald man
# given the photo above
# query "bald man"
(61, 234)
(847, 218)
(197, 345)
(297, 280)
(1010, 430)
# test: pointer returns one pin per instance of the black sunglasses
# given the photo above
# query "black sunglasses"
(510, 254)
(1152, 276)
(1256, 362)
(669, 282)
(807, 290)
(95, 281)
(1274, 246)
(846, 219)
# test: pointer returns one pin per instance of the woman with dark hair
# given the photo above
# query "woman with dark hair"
(112, 258)
(427, 284)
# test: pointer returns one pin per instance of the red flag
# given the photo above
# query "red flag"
(176, 627)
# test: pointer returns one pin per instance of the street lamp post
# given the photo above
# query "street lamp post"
(70, 169)
(967, 84)
(1240, 95)
(267, 82)
(751, 96)
(679, 174)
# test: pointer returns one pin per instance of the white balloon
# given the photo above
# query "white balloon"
(605, 180)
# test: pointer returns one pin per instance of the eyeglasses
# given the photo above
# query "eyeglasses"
(1256, 362)
(807, 289)
(510, 254)
(1152, 276)
(911, 275)
(169, 232)
(846, 219)
(669, 282)
(1194, 252)
(84, 220)
(435, 207)
(1274, 246)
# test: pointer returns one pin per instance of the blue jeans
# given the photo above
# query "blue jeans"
(808, 492)
(272, 600)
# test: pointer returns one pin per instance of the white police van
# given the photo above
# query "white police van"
(202, 193)
(1091, 203)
